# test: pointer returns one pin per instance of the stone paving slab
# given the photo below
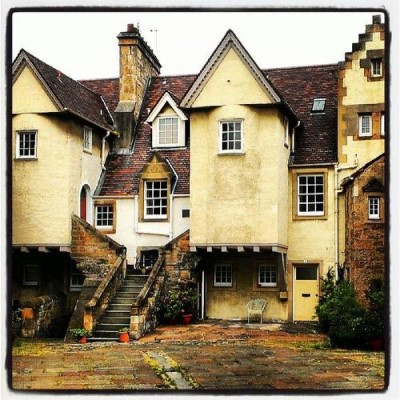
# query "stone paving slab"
(205, 357)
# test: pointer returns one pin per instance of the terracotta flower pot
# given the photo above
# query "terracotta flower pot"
(124, 337)
(186, 318)
(83, 340)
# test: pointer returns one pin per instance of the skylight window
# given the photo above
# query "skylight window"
(318, 106)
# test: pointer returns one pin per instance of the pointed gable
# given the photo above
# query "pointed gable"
(230, 68)
(67, 94)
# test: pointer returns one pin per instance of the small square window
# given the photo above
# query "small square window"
(87, 139)
(26, 144)
(373, 208)
(76, 279)
(365, 125)
(104, 216)
(223, 275)
(267, 275)
(318, 106)
(32, 275)
(231, 140)
(185, 213)
(376, 67)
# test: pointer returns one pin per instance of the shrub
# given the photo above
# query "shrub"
(375, 316)
(340, 315)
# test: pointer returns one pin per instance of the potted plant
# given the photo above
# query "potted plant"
(179, 303)
(188, 297)
(124, 335)
(80, 334)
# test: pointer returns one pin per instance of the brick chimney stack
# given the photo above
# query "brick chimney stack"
(137, 64)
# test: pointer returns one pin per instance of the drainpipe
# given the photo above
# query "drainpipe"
(293, 135)
(338, 190)
(171, 200)
(203, 292)
(103, 149)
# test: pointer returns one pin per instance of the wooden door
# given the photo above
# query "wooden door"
(305, 292)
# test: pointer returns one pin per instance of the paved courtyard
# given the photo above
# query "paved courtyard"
(214, 356)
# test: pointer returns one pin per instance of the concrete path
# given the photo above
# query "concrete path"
(217, 357)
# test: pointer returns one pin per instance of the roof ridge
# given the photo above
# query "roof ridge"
(300, 67)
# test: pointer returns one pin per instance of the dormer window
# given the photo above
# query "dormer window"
(167, 123)
(376, 67)
(318, 105)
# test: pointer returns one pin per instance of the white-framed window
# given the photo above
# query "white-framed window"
(104, 215)
(168, 130)
(318, 105)
(231, 136)
(87, 138)
(156, 199)
(365, 125)
(383, 124)
(32, 275)
(76, 279)
(373, 208)
(223, 275)
(376, 67)
(267, 275)
(310, 192)
(26, 144)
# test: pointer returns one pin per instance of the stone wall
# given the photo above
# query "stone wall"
(42, 316)
(102, 261)
(365, 238)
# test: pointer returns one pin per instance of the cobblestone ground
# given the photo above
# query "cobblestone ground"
(214, 357)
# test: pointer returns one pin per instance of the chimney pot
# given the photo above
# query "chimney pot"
(376, 19)
(131, 28)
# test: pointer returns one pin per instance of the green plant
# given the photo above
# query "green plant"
(340, 315)
(122, 330)
(375, 316)
(181, 300)
(78, 333)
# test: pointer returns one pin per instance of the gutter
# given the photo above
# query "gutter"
(103, 149)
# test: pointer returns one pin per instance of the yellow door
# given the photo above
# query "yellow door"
(305, 292)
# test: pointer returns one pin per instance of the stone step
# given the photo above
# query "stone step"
(120, 307)
(115, 319)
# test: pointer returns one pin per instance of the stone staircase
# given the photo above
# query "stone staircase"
(118, 313)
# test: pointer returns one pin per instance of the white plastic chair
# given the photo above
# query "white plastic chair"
(256, 306)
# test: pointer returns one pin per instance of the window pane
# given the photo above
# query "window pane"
(306, 273)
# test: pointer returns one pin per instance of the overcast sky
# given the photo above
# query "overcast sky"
(84, 45)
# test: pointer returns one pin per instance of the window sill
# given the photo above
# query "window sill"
(309, 217)
(259, 288)
(87, 151)
(154, 220)
(25, 158)
(106, 230)
(231, 153)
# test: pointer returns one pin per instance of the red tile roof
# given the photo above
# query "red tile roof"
(316, 141)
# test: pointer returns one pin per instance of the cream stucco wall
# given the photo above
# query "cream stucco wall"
(239, 198)
(231, 83)
(46, 189)
(312, 240)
